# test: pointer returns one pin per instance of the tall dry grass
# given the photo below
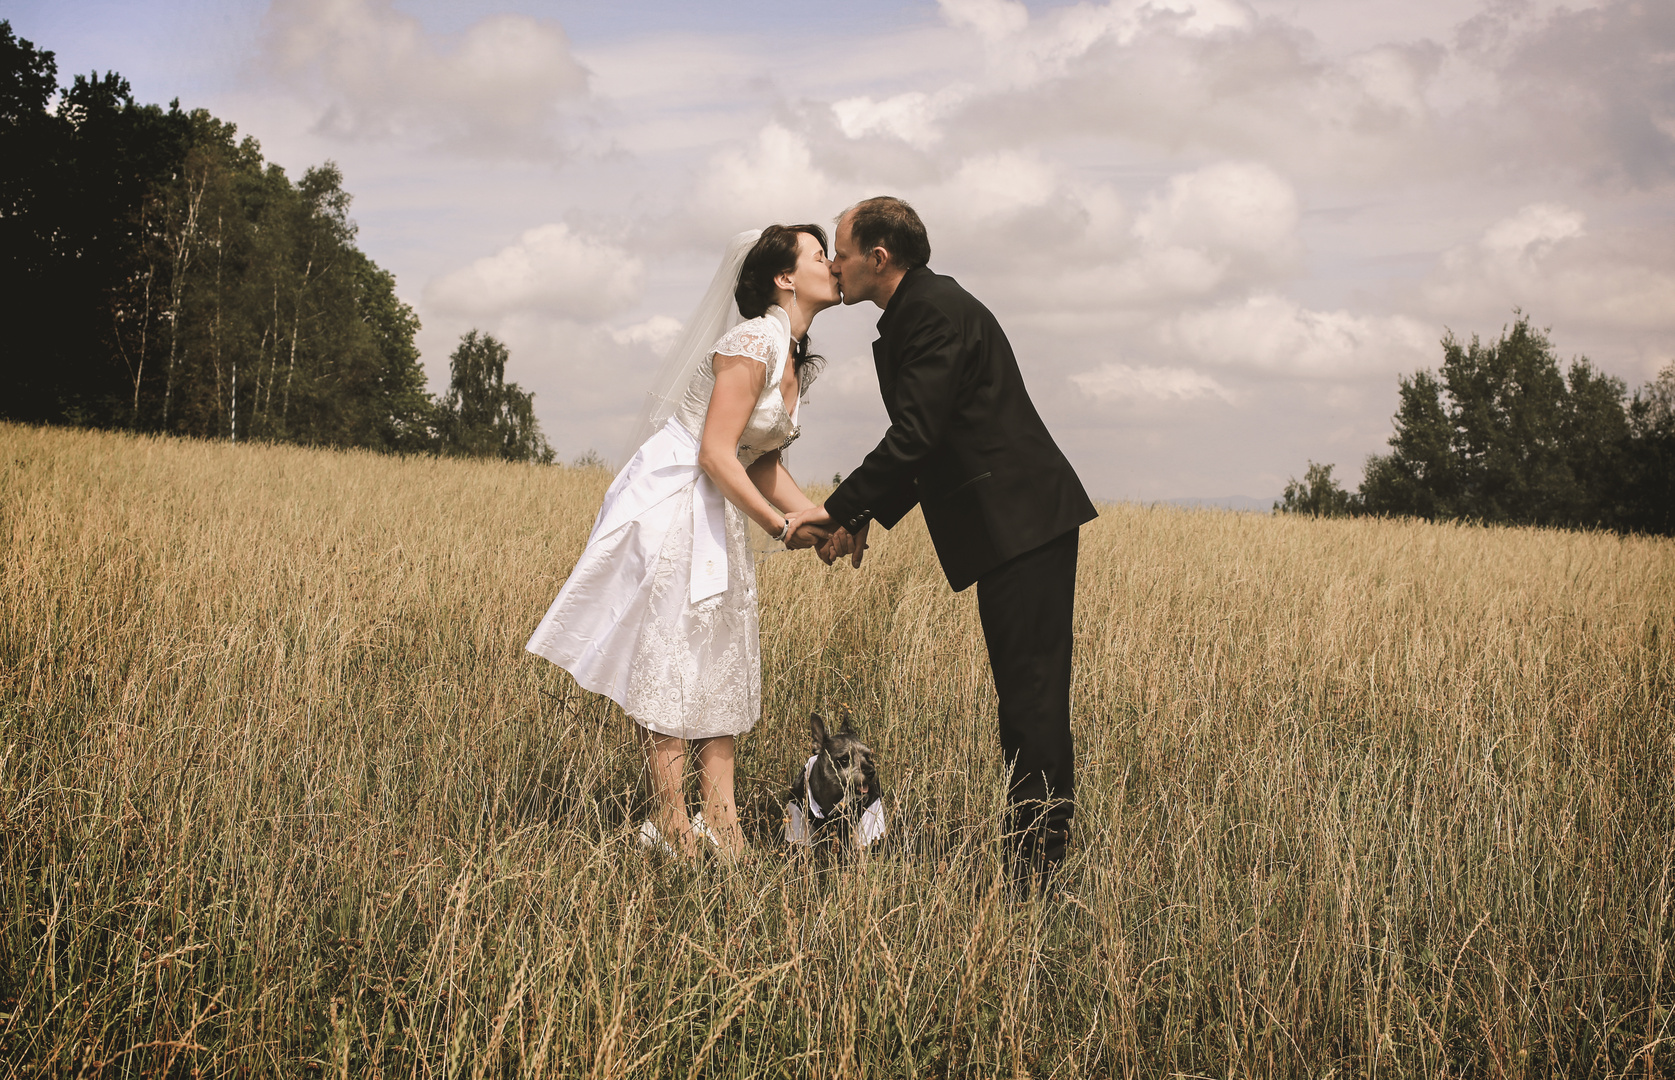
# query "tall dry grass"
(281, 794)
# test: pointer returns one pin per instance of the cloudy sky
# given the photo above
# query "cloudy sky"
(1215, 230)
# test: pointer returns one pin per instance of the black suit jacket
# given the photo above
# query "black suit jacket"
(965, 441)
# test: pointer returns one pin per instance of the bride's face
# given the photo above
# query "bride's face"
(816, 287)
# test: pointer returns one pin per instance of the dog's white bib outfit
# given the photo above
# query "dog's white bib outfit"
(799, 829)
(659, 613)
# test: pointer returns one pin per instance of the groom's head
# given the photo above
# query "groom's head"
(878, 240)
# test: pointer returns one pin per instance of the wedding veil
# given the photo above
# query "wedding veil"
(715, 314)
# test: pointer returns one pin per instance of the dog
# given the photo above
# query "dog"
(835, 796)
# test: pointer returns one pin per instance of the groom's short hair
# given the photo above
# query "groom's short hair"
(888, 222)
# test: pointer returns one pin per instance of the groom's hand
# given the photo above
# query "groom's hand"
(843, 542)
(808, 528)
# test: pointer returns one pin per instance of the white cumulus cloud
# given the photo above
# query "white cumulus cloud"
(1230, 206)
(993, 185)
(1271, 333)
(772, 179)
(1537, 226)
(911, 117)
(657, 332)
(550, 270)
(994, 20)
(1214, 231)
(1543, 259)
(380, 73)
(1130, 384)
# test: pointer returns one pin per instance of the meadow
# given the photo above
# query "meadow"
(281, 794)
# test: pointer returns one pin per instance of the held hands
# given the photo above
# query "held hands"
(843, 542)
(815, 528)
(806, 528)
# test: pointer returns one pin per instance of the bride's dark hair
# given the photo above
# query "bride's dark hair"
(775, 253)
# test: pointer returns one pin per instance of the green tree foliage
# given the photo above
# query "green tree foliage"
(1318, 495)
(483, 414)
(1419, 477)
(1503, 434)
(72, 179)
(1650, 470)
(159, 275)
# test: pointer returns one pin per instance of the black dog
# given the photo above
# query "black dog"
(835, 796)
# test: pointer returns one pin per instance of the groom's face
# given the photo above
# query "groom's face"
(856, 271)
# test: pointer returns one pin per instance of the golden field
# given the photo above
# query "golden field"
(282, 795)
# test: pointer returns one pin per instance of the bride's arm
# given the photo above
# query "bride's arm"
(774, 481)
(738, 383)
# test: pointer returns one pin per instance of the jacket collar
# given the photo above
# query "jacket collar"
(908, 282)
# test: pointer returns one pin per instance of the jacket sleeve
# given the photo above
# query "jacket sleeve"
(927, 383)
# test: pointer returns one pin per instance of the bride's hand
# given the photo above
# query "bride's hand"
(806, 528)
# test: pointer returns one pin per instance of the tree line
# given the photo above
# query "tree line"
(161, 276)
(1502, 434)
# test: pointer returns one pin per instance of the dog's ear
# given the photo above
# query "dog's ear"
(817, 728)
(848, 727)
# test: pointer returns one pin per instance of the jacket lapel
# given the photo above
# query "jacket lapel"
(883, 356)
(882, 361)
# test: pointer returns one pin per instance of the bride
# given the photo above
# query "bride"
(659, 613)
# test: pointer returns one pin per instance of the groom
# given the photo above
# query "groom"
(1002, 504)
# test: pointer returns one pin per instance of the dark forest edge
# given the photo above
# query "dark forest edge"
(1503, 436)
(160, 276)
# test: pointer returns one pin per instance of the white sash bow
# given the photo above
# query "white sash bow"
(666, 463)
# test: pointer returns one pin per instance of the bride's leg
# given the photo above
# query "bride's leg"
(666, 764)
(715, 784)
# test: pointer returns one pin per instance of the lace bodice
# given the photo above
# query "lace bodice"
(766, 339)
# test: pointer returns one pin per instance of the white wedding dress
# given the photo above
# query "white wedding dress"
(659, 613)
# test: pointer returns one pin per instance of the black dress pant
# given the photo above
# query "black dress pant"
(1027, 605)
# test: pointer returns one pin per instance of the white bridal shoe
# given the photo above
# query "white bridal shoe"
(701, 827)
(651, 838)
